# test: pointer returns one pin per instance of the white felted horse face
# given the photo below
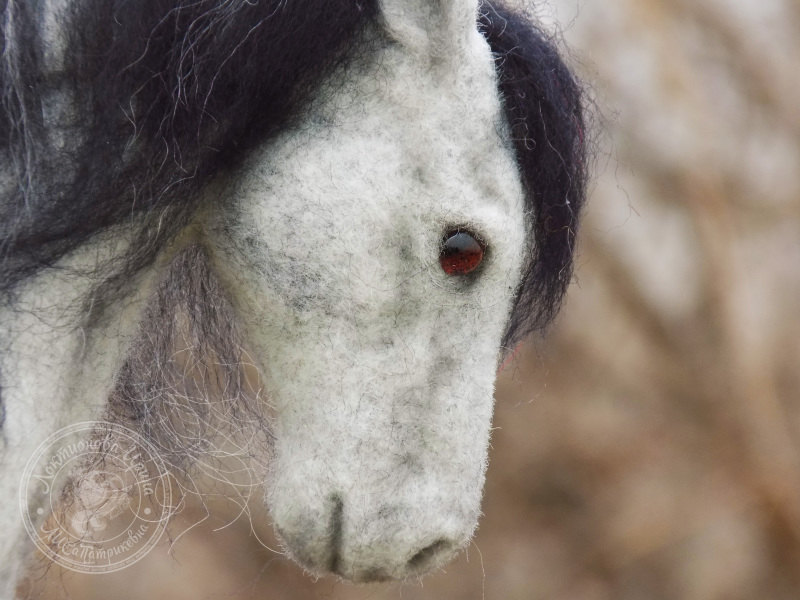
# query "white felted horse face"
(367, 199)
(379, 364)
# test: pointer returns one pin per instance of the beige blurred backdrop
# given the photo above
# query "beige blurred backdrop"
(648, 447)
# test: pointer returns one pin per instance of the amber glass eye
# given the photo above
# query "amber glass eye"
(461, 253)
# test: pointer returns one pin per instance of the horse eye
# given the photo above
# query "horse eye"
(461, 253)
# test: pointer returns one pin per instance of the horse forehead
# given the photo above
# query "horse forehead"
(444, 114)
(401, 137)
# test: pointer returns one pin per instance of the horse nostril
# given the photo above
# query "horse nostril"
(422, 559)
(336, 534)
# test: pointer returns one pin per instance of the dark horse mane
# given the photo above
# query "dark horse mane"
(156, 97)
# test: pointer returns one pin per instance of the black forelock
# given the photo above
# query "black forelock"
(169, 92)
(544, 108)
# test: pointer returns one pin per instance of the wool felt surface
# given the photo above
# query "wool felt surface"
(300, 164)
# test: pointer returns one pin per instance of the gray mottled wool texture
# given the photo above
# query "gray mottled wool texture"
(379, 368)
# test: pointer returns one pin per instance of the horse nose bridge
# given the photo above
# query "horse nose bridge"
(395, 433)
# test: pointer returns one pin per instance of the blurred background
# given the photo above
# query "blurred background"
(648, 447)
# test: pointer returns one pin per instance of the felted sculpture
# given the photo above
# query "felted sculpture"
(368, 202)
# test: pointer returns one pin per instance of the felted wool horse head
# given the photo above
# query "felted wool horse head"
(370, 202)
